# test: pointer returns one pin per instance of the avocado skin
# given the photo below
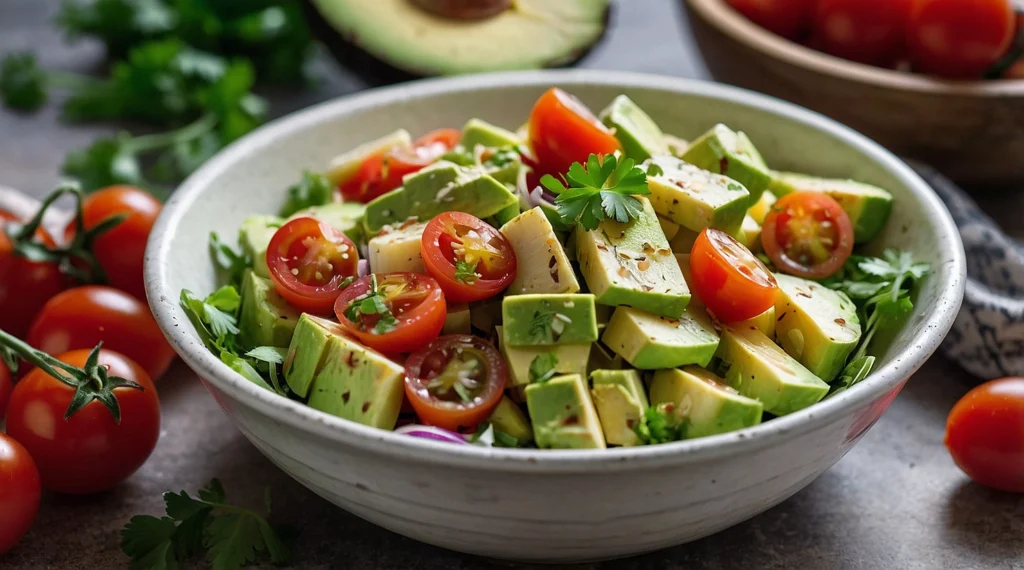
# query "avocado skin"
(375, 71)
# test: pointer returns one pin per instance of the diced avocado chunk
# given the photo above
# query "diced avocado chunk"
(649, 342)
(759, 211)
(507, 215)
(307, 351)
(816, 325)
(676, 146)
(508, 418)
(345, 166)
(483, 133)
(759, 369)
(695, 198)
(602, 357)
(398, 250)
(750, 234)
(342, 216)
(266, 319)
(765, 322)
(569, 359)
(709, 405)
(637, 132)
(543, 266)
(358, 384)
(458, 320)
(868, 206)
(724, 151)
(545, 319)
(631, 264)
(563, 414)
(254, 237)
(440, 187)
(620, 399)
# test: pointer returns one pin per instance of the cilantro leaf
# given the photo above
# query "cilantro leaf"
(603, 190)
(312, 190)
(214, 318)
(271, 357)
(22, 82)
(542, 367)
(661, 424)
(373, 303)
(466, 272)
(854, 372)
(233, 262)
(149, 541)
(541, 326)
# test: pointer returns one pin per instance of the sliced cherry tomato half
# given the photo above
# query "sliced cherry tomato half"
(392, 313)
(985, 434)
(455, 382)
(808, 234)
(470, 259)
(382, 173)
(563, 131)
(308, 261)
(731, 281)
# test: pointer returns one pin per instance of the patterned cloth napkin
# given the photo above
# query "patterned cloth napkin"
(987, 338)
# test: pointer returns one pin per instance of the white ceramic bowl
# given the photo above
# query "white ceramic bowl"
(553, 506)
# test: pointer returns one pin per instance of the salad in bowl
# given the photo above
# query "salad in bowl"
(585, 281)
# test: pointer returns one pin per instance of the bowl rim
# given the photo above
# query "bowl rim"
(182, 337)
(737, 27)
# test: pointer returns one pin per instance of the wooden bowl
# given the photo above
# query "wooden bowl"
(972, 131)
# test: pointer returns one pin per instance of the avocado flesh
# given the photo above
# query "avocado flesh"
(759, 369)
(631, 264)
(724, 151)
(868, 206)
(544, 319)
(477, 131)
(266, 319)
(650, 342)
(695, 198)
(306, 352)
(571, 359)
(545, 267)
(345, 217)
(393, 40)
(710, 406)
(508, 418)
(254, 236)
(358, 384)
(563, 415)
(638, 134)
(816, 325)
(620, 399)
(750, 234)
(345, 166)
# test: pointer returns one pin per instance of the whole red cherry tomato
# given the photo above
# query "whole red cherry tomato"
(985, 434)
(787, 18)
(19, 492)
(25, 285)
(868, 31)
(6, 386)
(960, 38)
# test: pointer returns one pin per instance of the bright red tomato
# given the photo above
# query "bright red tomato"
(470, 259)
(382, 173)
(90, 451)
(455, 382)
(868, 31)
(808, 234)
(960, 38)
(563, 131)
(392, 312)
(788, 18)
(731, 281)
(120, 251)
(19, 492)
(84, 316)
(25, 286)
(308, 261)
(985, 434)
(6, 386)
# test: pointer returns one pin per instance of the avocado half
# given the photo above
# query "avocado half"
(388, 41)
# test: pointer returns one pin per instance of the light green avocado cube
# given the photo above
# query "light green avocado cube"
(483, 133)
(545, 267)
(765, 322)
(732, 154)
(254, 237)
(709, 405)
(759, 369)
(631, 264)
(868, 206)
(508, 418)
(266, 319)
(306, 351)
(816, 325)
(344, 167)
(440, 187)
(358, 384)
(545, 319)
(695, 198)
(563, 414)
(570, 359)
(638, 134)
(345, 217)
(649, 342)
(620, 399)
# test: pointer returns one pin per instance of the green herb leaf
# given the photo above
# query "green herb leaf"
(542, 367)
(215, 318)
(373, 303)
(466, 272)
(269, 354)
(661, 424)
(655, 170)
(541, 330)
(22, 82)
(233, 262)
(312, 190)
(854, 372)
(602, 190)
(487, 436)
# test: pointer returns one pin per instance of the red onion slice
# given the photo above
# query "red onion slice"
(431, 432)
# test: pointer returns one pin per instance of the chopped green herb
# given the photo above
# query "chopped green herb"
(233, 262)
(602, 190)
(313, 190)
(542, 367)
(272, 357)
(661, 424)
(655, 170)
(854, 372)
(541, 327)
(487, 436)
(373, 303)
(466, 272)
(215, 318)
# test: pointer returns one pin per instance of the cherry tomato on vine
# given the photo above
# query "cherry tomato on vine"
(6, 386)
(25, 286)
(787, 18)
(90, 451)
(455, 382)
(84, 316)
(392, 312)
(19, 492)
(731, 281)
(985, 434)
(121, 250)
(470, 259)
(308, 261)
(382, 173)
(960, 38)
(808, 234)
(868, 31)
(563, 131)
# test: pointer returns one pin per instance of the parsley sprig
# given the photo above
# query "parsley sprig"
(466, 272)
(232, 536)
(312, 190)
(604, 189)
(661, 424)
(373, 303)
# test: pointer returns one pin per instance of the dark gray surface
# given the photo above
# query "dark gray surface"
(896, 501)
